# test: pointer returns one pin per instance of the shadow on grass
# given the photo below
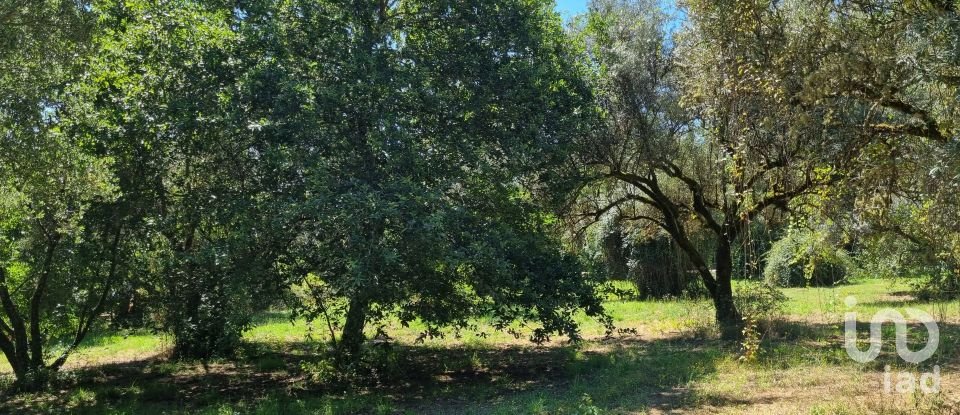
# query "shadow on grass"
(791, 344)
(627, 374)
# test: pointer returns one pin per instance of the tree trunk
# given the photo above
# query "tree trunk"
(20, 371)
(36, 335)
(352, 338)
(16, 346)
(728, 317)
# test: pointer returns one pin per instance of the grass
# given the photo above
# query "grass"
(101, 348)
(666, 360)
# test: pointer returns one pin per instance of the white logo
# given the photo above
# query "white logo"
(906, 381)
(876, 342)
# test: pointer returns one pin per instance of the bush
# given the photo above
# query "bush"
(888, 255)
(941, 285)
(650, 260)
(759, 304)
(758, 301)
(207, 317)
(807, 257)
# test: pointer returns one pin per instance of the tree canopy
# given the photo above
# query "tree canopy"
(182, 165)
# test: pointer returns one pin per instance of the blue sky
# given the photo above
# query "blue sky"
(569, 8)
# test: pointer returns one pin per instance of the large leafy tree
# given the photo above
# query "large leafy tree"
(386, 155)
(410, 138)
(900, 63)
(165, 81)
(900, 59)
(58, 253)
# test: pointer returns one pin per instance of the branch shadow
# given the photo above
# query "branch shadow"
(625, 374)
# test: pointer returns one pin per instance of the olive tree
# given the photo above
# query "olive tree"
(900, 62)
(703, 130)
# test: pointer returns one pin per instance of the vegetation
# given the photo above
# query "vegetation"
(672, 362)
(648, 258)
(807, 257)
(374, 196)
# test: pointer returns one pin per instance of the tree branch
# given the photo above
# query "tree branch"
(16, 320)
(786, 196)
(700, 204)
(36, 337)
(84, 325)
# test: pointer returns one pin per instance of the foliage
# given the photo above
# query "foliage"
(412, 151)
(231, 151)
(58, 250)
(761, 304)
(166, 81)
(649, 259)
(750, 252)
(179, 165)
(805, 257)
(892, 70)
(942, 284)
(699, 130)
(891, 256)
(660, 270)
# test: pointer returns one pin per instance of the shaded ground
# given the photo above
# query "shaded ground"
(416, 379)
(672, 365)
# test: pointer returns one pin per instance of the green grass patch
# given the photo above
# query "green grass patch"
(667, 357)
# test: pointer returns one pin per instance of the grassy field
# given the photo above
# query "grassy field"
(665, 359)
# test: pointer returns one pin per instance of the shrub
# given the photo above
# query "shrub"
(650, 260)
(758, 301)
(942, 284)
(759, 304)
(807, 257)
(888, 255)
(207, 319)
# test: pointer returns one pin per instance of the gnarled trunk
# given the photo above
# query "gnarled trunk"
(728, 317)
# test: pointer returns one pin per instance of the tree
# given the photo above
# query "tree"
(899, 59)
(701, 133)
(58, 257)
(410, 138)
(896, 65)
(164, 81)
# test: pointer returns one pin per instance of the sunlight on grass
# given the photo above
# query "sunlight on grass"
(651, 318)
(98, 349)
(666, 355)
(118, 348)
